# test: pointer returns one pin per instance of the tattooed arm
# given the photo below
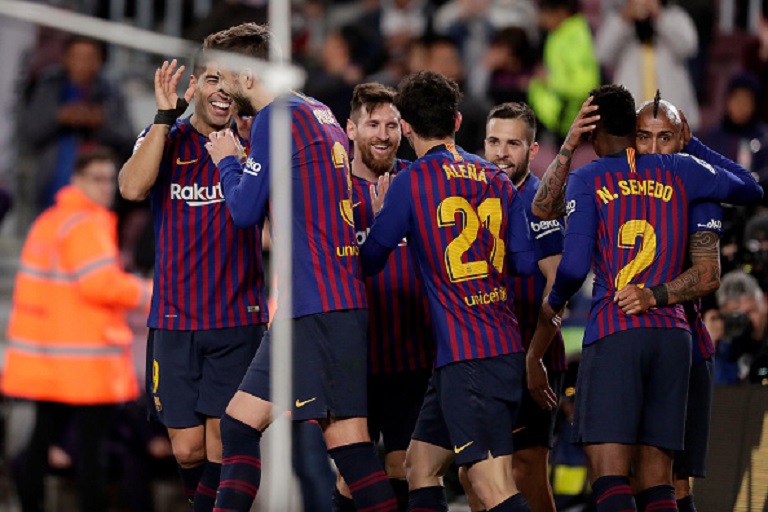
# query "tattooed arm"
(549, 202)
(702, 278)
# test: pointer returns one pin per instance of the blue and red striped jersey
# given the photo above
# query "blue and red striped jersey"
(704, 216)
(208, 272)
(324, 266)
(631, 217)
(465, 227)
(528, 292)
(398, 322)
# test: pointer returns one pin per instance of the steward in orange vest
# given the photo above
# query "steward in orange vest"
(68, 340)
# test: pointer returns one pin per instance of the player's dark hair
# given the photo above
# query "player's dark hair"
(516, 110)
(429, 102)
(249, 39)
(616, 107)
(370, 95)
(78, 39)
(89, 156)
(656, 101)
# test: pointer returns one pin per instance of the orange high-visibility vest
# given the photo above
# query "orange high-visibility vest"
(68, 340)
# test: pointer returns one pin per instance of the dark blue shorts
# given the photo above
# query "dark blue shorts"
(471, 407)
(196, 373)
(692, 461)
(536, 426)
(394, 402)
(632, 388)
(330, 366)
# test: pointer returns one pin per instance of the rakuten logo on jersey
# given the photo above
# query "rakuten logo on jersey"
(197, 195)
(544, 227)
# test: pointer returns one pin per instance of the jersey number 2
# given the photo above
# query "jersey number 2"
(628, 233)
(489, 213)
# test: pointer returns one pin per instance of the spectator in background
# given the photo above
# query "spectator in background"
(647, 44)
(73, 107)
(69, 347)
(570, 67)
(742, 136)
(443, 57)
(740, 329)
(509, 62)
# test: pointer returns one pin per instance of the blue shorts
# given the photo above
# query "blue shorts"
(471, 407)
(692, 461)
(536, 426)
(196, 373)
(394, 402)
(632, 388)
(330, 366)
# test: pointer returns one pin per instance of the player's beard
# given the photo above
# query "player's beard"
(376, 164)
(243, 105)
(517, 172)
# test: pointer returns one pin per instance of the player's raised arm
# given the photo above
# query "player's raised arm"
(748, 193)
(391, 224)
(139, 173)
(549, 202)
(245, 187)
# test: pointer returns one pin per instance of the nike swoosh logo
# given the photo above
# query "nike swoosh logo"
(357, 204)
(299, 403)
(457, 449)
(179, 161)
(517, 430)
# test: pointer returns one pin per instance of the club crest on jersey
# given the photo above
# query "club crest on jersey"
(197, 195)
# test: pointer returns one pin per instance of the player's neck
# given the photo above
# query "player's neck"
(361, 170)
(421, 146)
(519, 182)
(203, 128)
(611, 144)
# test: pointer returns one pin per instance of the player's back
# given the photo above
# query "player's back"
(642, 234)
(325, 267)
(459, 232)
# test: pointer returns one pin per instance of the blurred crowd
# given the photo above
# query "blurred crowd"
(60, 94)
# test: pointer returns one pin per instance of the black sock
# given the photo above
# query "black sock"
(613, 494)
(401, 493)
(359, 465)
(657, 499)
(190, 478)
(341, 503)
(205, 497)
(240, 466)
(515, 503)
(686, 504)
(428, 499)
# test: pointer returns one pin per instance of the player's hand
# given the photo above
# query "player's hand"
(223, 144)
(538, 383)
(582, 126)
(687, 135)
(634, 300)
(167, 79)
(379, 191)
(243, 126)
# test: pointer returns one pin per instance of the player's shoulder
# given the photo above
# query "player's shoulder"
(401, 165)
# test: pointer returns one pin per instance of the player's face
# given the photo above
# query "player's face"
(212, 105)
(377, 137)
(507, 146)
(97, 182)
(657, 135)
(231, 86)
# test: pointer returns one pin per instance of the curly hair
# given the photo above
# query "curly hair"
(616, 107)
(429, 102)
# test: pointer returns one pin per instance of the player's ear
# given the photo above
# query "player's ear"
(458, 122)
(351, 129)
(249, 78)
(405, 128)
(533, 151)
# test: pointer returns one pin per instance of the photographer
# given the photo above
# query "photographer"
(739, 329)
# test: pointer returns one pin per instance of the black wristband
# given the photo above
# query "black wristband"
(170, 116)
(661, 295)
